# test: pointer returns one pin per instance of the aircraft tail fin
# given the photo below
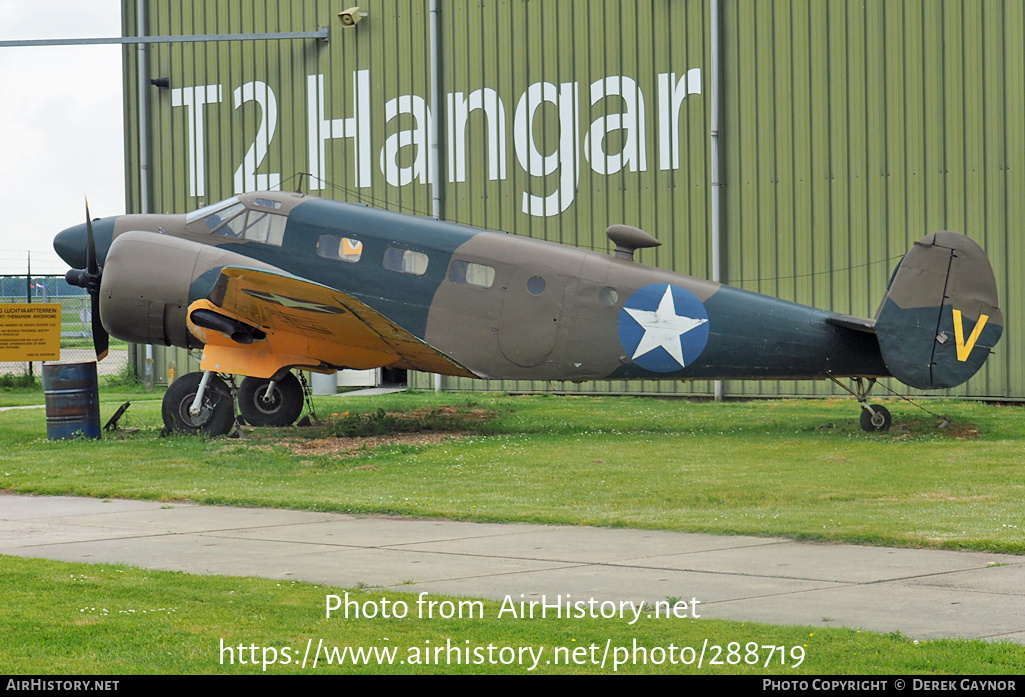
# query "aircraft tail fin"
(940, 317)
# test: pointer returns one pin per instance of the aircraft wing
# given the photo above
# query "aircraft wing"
(284, 320)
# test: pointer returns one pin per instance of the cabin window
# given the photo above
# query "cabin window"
(536, 285)
(470, 273)
(405, 261)
(608, 296)
(339, 248)
(267, 228)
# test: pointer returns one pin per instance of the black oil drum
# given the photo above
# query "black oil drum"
(72, 400)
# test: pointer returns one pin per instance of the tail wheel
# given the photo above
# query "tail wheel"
(216, 412)
(281, 407)
(875, 418)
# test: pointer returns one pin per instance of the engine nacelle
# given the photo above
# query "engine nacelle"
(149, 281)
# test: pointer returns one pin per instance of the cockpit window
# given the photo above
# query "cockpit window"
(234, 221)
(231, 218)
(268, 228)
(267, 203)
(212, 208)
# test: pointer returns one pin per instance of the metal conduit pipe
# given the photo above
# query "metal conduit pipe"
(717, 184)
(435, 117)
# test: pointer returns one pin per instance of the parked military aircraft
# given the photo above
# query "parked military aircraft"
(270, 281)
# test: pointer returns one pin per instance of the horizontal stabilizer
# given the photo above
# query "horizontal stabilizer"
(856, 323)
(940, 317)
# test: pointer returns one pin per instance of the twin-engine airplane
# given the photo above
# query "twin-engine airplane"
(270, 281)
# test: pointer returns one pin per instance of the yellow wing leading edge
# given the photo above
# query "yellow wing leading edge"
(307, 325)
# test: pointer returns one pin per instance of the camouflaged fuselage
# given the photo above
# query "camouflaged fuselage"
(543, 311)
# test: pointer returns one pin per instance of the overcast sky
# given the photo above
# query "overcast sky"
(60, 126)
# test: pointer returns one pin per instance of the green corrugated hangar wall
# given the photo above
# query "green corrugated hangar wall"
(849, 130)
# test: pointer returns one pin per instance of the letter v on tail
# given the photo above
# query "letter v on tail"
(964, 349)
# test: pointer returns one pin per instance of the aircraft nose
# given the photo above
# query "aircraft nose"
(70, 244)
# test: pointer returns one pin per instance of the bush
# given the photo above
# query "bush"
(24, 380)
(123, 378)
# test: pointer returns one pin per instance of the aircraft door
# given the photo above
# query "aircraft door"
(531, 314)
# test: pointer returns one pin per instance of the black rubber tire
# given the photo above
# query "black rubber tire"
(217, 414)
(880, 421)
(284, 407)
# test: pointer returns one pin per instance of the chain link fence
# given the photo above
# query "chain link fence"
(45, 284)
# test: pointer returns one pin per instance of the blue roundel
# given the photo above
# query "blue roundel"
(663, 328)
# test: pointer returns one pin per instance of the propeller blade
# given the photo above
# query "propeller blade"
(90, 249)
(89, 278)
(101, 340)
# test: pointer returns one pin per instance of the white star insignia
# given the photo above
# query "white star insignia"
(663, 328)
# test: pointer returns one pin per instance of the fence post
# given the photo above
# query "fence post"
(28, 294)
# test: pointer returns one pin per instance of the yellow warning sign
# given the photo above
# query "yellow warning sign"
(30, 332)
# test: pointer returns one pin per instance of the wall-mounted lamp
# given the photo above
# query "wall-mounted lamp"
(161, 82)
(349, 17)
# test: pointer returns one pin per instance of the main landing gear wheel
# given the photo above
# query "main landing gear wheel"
(280, 407)
(216, 411)
(875, 418)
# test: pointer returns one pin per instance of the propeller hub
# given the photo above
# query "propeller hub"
(83, 247)
(81, 278)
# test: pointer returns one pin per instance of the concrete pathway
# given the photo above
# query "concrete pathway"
(375, 391)
(924, 594)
